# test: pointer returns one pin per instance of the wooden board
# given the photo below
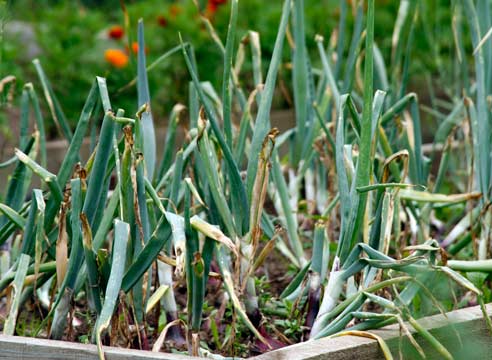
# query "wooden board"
(462, 332)
(17, 347)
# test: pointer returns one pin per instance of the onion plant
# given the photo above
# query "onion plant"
(346, 198)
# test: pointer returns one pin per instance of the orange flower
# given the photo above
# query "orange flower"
(135, 48)
(116, 32)
(116, 57)
(174, 10)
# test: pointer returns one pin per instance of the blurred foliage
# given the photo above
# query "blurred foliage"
(73, 36)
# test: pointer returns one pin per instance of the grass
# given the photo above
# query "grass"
(346, 203)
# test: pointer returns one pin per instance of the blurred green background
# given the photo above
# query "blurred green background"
(70, 39)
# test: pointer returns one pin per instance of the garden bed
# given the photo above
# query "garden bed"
(451, 330)
(152, 233)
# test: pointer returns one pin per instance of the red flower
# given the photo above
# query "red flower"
(116, 32)
(162, 21)
(213, 5)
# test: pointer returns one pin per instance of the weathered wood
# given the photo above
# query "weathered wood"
(463, 332)
(16, 347)
(341, 348)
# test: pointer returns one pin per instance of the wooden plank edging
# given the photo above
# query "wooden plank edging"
(463, 332)
(17, 347)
